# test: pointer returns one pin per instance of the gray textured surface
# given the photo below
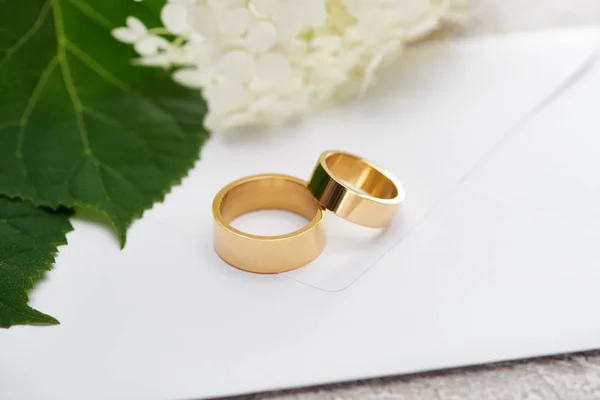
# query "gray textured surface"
(572, 377)
(569, 377)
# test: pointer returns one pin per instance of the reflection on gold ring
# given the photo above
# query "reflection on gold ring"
(267, 254)
(356, 189)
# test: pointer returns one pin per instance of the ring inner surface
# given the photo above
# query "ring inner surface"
(266, 194)
(357, 173)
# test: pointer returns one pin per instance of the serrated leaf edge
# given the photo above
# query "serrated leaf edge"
(32, 280)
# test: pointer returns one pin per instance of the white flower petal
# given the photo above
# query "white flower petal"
(220, 6)
(265, 7)
(330, 75)
(357, 8)
(179, 56)
(236, 64)
(295, 49)
(150, 45)
(272, 108)
(314, 12)
(410, 10)
(288, 21)
(288, 29)
(226, 96)
(296, 83)
(191, 77)
(134, 31)
(237, 120)
(261, 37)
(202, 20)
(417, 30)
(328, 43)
(369, 74)
(124, 35)
(160, 60)
(174, 16)
(213, 121)
(202, 53)
(195, 37)
(273, 68)
(136, 26)
(234, 22)
(258, 86)
(353, 34)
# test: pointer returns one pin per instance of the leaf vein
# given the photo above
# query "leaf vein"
(39, 87)
(110, 78)
(92, 14)
(29, 34)
(29, 316)
(118, 173)
(97, 68)
(71, 89)
(15, 227)
(9, 124)
(71, 174)
(118, 124)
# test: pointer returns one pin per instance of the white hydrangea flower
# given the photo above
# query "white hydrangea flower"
(264, 62)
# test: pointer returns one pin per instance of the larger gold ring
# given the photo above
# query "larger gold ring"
(267, 254)
(356, 189)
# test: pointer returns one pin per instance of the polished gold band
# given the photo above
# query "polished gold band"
(267, 254)
(356, 189)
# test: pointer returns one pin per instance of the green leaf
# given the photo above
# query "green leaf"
(82, 127)
(28, 240)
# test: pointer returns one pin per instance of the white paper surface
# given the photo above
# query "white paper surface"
(481, 265)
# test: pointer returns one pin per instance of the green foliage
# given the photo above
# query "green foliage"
(28, 240)
(81, 127)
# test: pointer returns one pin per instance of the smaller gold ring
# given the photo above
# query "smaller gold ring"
(267, 254)
(356, 189)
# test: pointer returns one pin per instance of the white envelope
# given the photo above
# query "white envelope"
(494, 255)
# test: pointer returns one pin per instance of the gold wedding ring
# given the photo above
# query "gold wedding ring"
(356, 189)
(267, 254)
